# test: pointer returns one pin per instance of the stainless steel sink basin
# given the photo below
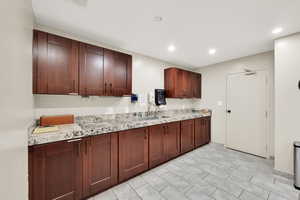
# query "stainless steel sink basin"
(154, 118)
(165, 117)
(149, 118)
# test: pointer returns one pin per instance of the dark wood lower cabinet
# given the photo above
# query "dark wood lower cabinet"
(133, 152)
(55, 171)
(187, 135)
(202, 131)
(156, 145)
(172, 140)
(100, 163)
(79, 168)
(164, 143)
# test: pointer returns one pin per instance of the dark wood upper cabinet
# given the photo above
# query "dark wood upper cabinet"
(55, 64)
(196, 85)
(100, 163)
(65, 66)
(91, 73)
(55, 171)
(187, 135)
(117, 73)
(133, 153)
(181, 83)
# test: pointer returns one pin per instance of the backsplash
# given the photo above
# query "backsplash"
(61, 104)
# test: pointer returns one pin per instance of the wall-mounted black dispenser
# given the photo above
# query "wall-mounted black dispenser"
(134, 98)
(160, 97)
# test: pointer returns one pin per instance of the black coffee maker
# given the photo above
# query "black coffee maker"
(160, 97)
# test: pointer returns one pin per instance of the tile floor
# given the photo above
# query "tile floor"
(208, 173)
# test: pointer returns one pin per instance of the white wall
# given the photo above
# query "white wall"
(214, 89)
(147, 74)
(16, 101)
(287, 100)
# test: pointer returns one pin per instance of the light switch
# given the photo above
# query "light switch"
(220, 103)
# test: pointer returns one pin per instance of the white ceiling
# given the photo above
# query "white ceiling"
(236, 28)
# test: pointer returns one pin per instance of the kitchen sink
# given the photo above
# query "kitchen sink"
(149, 118)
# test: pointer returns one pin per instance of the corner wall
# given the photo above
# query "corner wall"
(287, 100)
(214, 90)
(16, 101)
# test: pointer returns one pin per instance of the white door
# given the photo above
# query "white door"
(247, 112)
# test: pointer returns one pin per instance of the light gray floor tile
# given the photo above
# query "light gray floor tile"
(146, 192)
(170, 193)
(125, 192)
(198, 179)
(156, 182)
(284, 191)
(249, 196)
(200, 193)
(221, 195)
(106, 195)
(176, 181)
(137, 182)
(225, 185)
(250, 187)
(242, 175)
(278, 197)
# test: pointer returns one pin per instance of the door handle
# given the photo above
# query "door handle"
(228, 111)
(111, 88)
(73, 92)
(78, 149)
(105, 84)
(86, 147)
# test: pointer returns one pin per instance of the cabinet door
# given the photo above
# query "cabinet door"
(196, 85)
(187, 135)
(56, 171)
(117, 73)
(156, 145)
(91, 81)
(133, 153)
(100, 163)
(199, 132)
(207, 130)
(172, 140)
(55, 64)
(182, 84)
(202, 131)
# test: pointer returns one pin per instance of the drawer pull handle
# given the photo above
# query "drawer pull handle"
(75, 140)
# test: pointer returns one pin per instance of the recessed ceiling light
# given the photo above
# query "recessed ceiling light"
(157, 19)
(171, 48)
(277, 30)
(212, 51)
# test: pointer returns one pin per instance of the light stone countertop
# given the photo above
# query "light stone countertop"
(95, 125)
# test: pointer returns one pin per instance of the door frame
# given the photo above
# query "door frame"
(268, 108)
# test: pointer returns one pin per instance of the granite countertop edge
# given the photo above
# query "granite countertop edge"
(75, 131)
